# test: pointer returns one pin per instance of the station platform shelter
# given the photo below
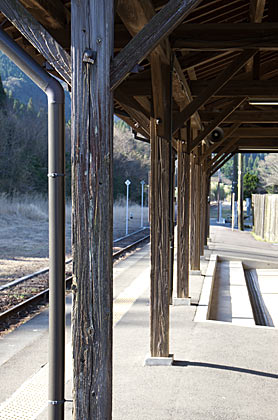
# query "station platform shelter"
(198, 81)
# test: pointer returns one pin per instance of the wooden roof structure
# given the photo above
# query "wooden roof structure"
(175, 71)
(205, 45)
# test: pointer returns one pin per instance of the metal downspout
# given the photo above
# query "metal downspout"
(171, 188)
(56, 191)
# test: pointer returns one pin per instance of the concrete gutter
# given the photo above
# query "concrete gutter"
(203, 309)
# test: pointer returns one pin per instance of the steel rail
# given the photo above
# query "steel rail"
(44, 294)
(46, 270)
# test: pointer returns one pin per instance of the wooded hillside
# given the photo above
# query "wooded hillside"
(23, 146)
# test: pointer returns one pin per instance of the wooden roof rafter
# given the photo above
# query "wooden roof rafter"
(158, 28)
(38, 36)
(212, 88)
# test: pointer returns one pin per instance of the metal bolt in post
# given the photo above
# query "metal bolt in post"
(142, 202)
(127, 183)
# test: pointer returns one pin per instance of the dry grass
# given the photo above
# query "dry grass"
(134, 219)
(24, 232)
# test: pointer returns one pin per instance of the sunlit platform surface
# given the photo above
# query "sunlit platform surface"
(220, 370)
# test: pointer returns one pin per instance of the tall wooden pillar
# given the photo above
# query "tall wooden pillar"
(160, 209)
(172, 158)
(195, 186)
(202, 208)
(92, 133)
(192, 208)
(207, 225)
(204, 204)
(183, 222)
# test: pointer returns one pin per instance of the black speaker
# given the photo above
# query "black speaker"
(216, 135)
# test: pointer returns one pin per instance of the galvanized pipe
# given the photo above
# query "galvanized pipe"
(56, 165)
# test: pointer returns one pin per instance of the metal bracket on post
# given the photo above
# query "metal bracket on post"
(56, 402)
(54, 175)
(89, 56)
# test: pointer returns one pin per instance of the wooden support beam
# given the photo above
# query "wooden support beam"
(207, 222)
(160, 209)
(195, 197)
(184, 92)
(183, 222)
(59, 14)
(132, 122)
(251, 88)
(243, 116)
(225, 36)
(158, 28)
(124, 99)
(256, 10)
(138, 116)
(225, 149)
(203, 207)
(135, 18)
(217, 145)
(254, 132)
(223, 159)
(226, 158)
(38, 36)
(216, 122)
(260, 144)
(92, 134)
(195, 59)
(213, 87)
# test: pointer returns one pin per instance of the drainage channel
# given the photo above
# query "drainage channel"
(236, 296)
(230, 300)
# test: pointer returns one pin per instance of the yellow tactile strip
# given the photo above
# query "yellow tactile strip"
(31, 398)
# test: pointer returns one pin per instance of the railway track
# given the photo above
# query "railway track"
(20, 296)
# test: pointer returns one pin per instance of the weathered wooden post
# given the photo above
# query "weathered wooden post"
(195, 213)
(207, 228)
(92, 131)
(203, 207)
(160, 209)
(183, 221)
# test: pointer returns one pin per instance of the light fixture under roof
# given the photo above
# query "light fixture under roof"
(261, 102)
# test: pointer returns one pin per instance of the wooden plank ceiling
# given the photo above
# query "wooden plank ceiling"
(225, 54)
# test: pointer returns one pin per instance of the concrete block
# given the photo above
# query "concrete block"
(159, 361)
(181, 301)
(195, 272)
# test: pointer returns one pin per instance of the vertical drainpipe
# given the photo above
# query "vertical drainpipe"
(56, 191)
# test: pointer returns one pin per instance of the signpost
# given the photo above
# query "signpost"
(142, 203)
(127, 183)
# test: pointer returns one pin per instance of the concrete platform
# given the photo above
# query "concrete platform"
(220, 371)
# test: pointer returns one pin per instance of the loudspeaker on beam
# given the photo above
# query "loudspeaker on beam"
(216, 135)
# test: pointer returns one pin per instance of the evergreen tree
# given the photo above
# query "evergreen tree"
(2, 93)
(250, 184)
